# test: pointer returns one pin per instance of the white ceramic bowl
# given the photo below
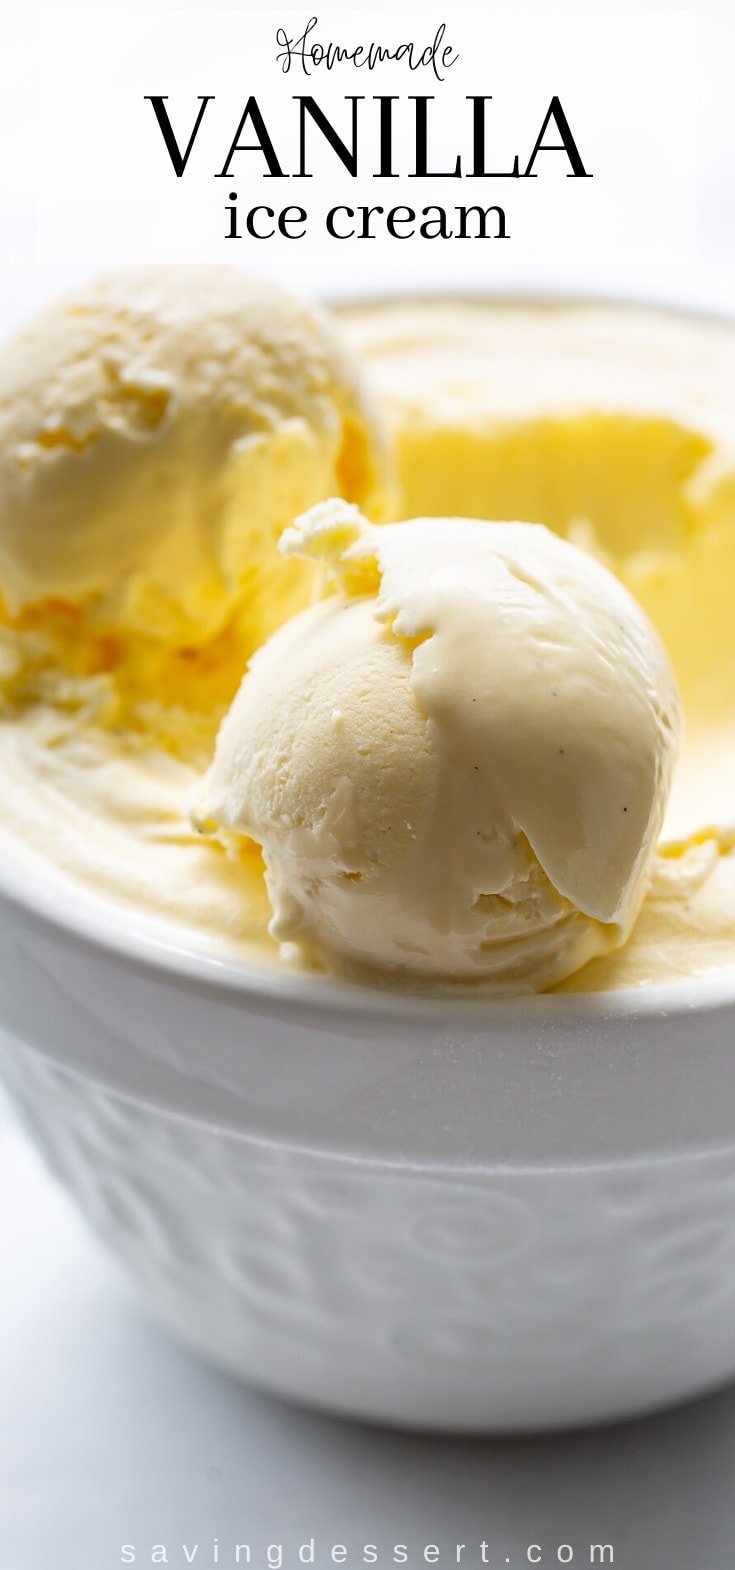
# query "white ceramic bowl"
(460, 1214)
(455, 1214)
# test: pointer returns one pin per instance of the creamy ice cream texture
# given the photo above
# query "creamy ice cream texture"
(458, 765)
(611, 426)
(157, 432)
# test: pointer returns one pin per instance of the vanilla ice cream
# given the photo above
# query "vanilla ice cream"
(613, 426)
(157, 432)
(458, 766)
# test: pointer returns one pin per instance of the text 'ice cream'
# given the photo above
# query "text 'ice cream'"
(458, 765)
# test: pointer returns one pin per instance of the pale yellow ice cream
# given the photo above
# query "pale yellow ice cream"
(615, 426)
(612, 426)
(157, 432)
(458, 766)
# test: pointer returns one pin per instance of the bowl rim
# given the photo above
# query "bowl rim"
(156, 945)
(566, 296)
(64, 907)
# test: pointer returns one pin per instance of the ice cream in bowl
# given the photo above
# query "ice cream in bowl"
(367, 890)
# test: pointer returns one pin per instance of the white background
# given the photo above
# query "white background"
(108, 1432)
(85, 180)
(118, 198)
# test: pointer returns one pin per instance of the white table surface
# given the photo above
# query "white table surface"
(112, 1434)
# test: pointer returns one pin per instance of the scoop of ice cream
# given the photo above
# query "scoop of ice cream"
(157, 432)
(457, 766)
